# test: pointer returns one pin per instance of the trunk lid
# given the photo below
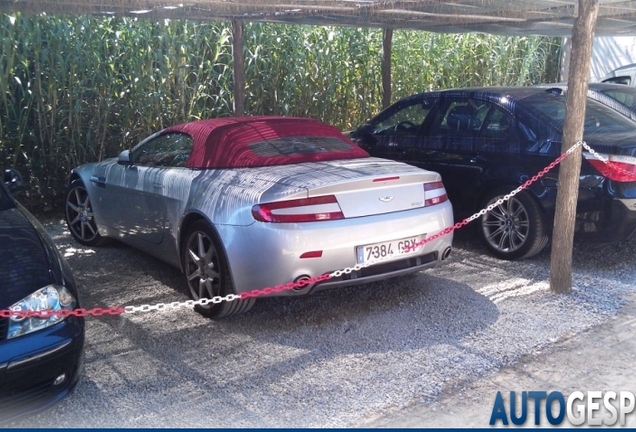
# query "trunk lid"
(362, 187)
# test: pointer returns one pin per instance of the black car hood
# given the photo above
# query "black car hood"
(24, 259)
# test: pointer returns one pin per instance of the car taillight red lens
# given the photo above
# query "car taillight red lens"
(299, 210)
(434, 193)
(617, 168)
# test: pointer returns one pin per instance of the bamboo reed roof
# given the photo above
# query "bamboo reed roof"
(507, 17)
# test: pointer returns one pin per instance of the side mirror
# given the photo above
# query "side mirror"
(125, 158)
(363, 136)
(13, 180)
(364, 131)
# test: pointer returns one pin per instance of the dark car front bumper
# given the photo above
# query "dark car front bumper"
(32, 367)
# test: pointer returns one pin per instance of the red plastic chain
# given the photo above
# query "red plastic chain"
(48, 313)
(631, 176)
(118, 310)
(278, 288)
(525, 185)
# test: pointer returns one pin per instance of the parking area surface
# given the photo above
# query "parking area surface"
(599, 359)
(339, 358)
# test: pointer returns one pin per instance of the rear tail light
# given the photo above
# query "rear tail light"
(299, 210)
(434, 193)
(617, 168)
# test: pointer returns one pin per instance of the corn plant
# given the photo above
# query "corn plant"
(76, 89)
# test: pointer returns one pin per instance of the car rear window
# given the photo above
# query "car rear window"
(298, 145)
(627, 97)
(598, 117)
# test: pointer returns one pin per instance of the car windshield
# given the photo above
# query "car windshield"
(598, 117)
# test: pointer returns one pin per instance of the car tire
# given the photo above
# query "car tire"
(516, 229)
(207, 272)
(79, 215)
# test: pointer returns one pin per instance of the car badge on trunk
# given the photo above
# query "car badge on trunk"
(385, 199)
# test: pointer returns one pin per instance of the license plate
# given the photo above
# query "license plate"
(388, 250)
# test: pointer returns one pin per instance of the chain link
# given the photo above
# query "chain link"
(501, 200)
(595, 153)
(630, 175)
(117, 310)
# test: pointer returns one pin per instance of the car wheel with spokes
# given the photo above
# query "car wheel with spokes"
(207, 273)
(79, 215)
(514, 229)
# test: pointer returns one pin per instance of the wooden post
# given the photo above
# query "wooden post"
(239, 68)
(568, 186)
(386, 67)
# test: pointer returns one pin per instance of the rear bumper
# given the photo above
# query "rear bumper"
(383, 271)
(31, 364)
(605, 211)
(269, 254)
(615, 222)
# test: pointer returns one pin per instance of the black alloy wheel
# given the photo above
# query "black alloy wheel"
(79, 215)
(515, 229)
(208, 274)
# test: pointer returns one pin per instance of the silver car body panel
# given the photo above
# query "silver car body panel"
(381, 200)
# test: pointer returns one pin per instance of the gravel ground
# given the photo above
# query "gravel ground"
(334, 359)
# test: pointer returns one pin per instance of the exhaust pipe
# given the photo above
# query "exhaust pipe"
(446, 253)
(305, 286)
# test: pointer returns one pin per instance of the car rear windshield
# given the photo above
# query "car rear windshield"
(298, 145)
(598, 117)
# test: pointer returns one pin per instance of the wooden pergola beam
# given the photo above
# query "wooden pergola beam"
(529, 17)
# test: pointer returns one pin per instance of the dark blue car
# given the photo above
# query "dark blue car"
(485, 142)
(40, 358)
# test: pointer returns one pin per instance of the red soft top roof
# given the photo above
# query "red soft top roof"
(229, 142)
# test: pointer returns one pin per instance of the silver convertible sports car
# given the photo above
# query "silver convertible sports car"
(246, 203)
